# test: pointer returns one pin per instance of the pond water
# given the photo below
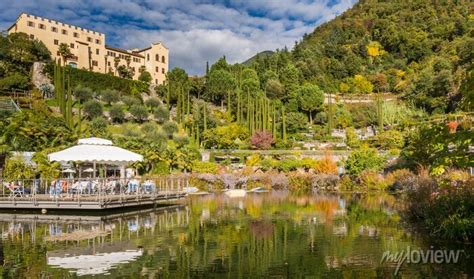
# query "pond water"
(272, 235)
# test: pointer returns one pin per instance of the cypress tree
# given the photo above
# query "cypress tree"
(274, 131)
(168, 96)
(198, 135)
(283, 116)
(205, 117)
(238, 106)
(330, 115)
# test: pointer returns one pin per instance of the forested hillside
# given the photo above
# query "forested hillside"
(420, 49)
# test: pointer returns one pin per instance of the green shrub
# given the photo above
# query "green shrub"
(351, 138)
(372, 180)
(109, 96)
(253, 160)
(170, 127)
(347, 184)
(150, 127)
(98, 81)
(204, 167)
(82, 93)
(161, 114)
(363, 159)
(300, 183)
(160, 168)
(268, 164)
(145, 77)
(99, 125)
(296, 122)
(180, 139)
(225, 137)
(116, 113)
(398, 179)
(17, 168)
(288, 165)
(152, 103)
(389, 140)
(139, 112)
(130, 101)
(131, 130)
(14, 81)
(93, 109)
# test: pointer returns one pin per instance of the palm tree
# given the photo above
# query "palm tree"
(116, 63)
(128, 59)
(65, 52)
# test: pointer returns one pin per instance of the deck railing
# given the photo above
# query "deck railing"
(99, 189)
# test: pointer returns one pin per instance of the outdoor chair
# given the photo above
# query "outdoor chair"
(15, 190)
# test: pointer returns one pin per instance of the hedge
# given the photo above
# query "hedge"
(98, 82)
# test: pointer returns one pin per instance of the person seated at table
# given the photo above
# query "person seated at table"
(133, 185)
(55, 189)
(149, 186)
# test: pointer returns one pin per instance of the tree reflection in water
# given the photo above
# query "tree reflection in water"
(261, 235)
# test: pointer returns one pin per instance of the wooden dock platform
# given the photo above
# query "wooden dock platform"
(84, 202)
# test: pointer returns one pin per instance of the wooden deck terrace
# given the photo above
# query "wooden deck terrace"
(88, 202)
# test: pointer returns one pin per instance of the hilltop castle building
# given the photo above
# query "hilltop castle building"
(89, 50)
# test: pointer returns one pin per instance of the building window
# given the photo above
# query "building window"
(56, 42)
(156, 81)
(147, 57)
(108, 63)
(162, 70)
(71, 45)
(73, 65)
(54, 29)
(76, 35)
(32, 36)
(157, 69)
(89, 39)
(157, 58)
(163, 59)
(41, 26)
(31, 24)
(97, 41)
(94, 63)
(97, 51)
(64, 32)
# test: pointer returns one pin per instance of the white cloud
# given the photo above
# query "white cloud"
(195, 31)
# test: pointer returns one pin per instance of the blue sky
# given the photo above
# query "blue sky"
(195, 31)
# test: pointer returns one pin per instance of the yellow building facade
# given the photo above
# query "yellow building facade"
(89, 51)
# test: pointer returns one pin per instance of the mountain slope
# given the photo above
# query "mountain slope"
(420, 49)
(259, 55)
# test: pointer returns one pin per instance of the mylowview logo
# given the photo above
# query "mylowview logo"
(418, 256)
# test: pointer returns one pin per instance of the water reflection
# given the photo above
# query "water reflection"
(261, 235)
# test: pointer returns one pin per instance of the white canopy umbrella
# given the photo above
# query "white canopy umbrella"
(69, 171)
(96, 150)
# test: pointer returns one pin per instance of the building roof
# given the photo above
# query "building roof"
(147, 48)
(96, 150)
(124, 51)
(56, 21)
